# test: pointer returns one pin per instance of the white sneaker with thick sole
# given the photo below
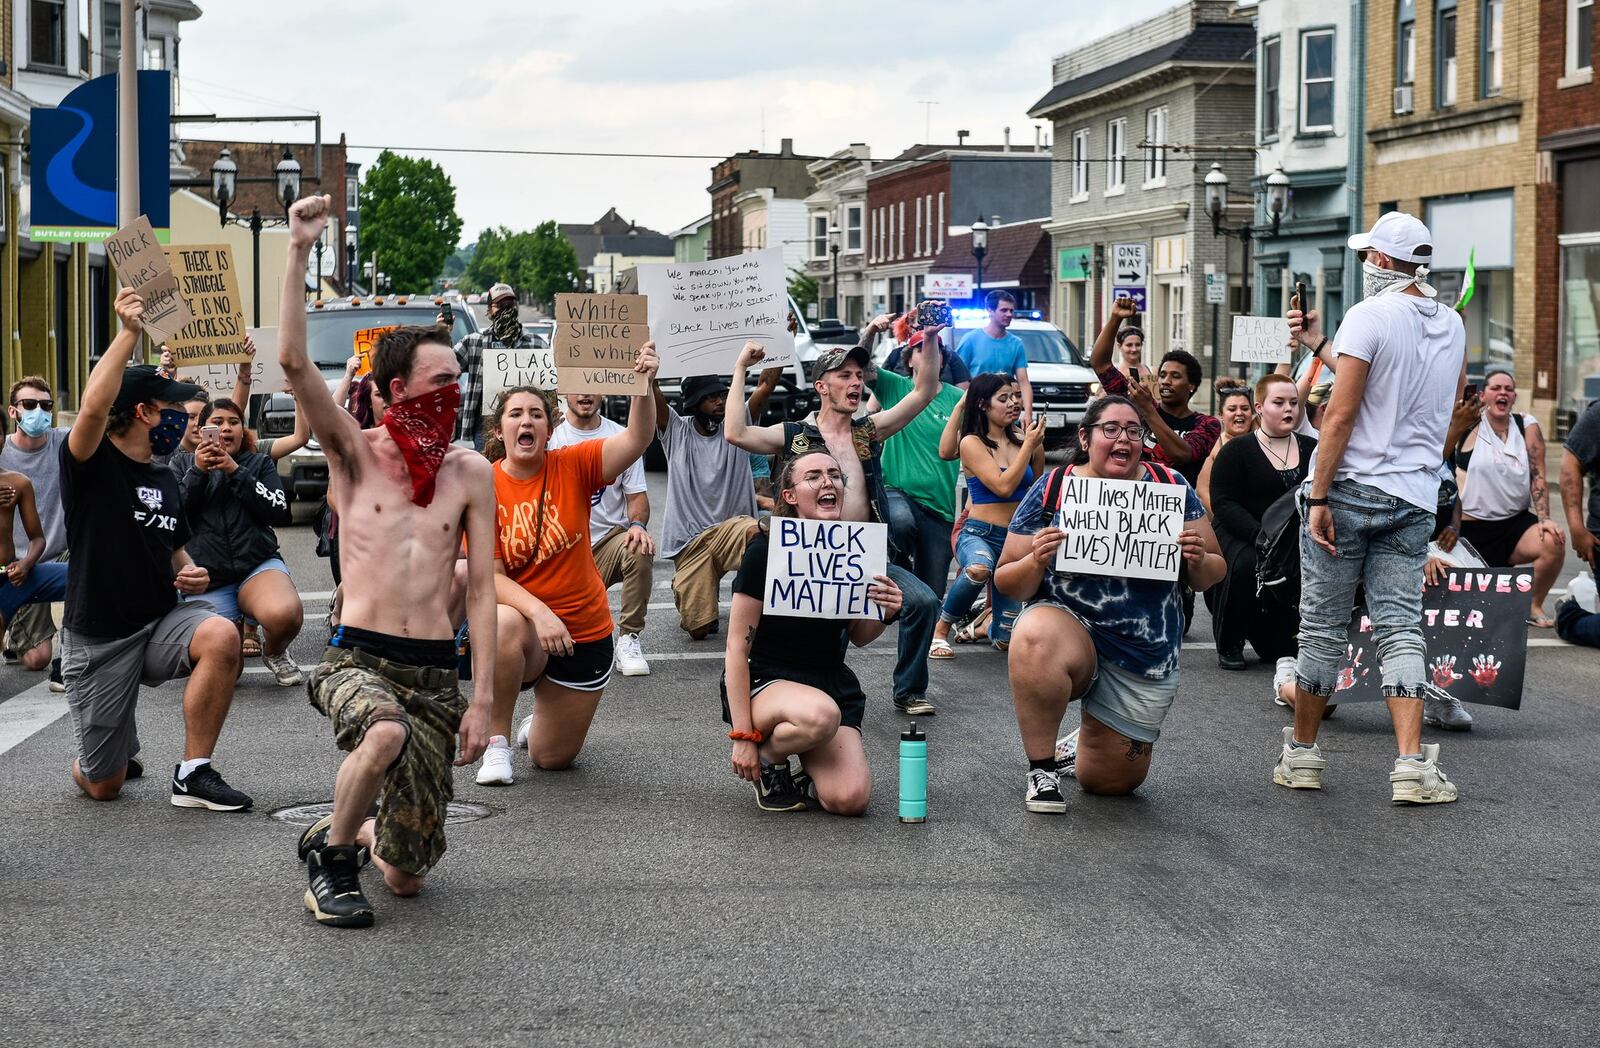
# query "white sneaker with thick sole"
(1421, 782)
(1299, 768)
(1281, 675)
(522, 732)
(283, 670)
(630, 657)
(495, 770)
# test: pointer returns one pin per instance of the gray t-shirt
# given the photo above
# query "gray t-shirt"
(1584, 443)
(708, 481)
(43, 467)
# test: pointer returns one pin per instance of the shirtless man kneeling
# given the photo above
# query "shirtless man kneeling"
(388, 680)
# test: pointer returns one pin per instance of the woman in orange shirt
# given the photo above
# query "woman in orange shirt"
(554, 624)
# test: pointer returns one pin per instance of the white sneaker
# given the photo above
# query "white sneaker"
(1067, 754)
(1283, 674)
(1421, 782)
(1299, 768)
(630, 658)
(283, 670)
(522, 732)
(496, 767)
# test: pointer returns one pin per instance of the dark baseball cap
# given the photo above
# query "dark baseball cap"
(837, 356)
(698, 387)
(143, 383)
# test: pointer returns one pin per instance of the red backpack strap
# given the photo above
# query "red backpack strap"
(1161, 473)
(1052, 489)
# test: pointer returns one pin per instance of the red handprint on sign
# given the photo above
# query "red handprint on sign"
(1485, 670)
(1348, 675)
(1444, 671)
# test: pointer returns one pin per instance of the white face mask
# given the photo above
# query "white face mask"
(1376, 281)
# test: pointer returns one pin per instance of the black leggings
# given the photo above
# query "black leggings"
(1271, 630)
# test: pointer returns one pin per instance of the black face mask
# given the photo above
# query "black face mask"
(506, 325)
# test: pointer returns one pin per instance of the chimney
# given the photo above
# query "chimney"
(994, 220)
(786, 147)
(961, 138)
(1038, 138)
(1008, 140)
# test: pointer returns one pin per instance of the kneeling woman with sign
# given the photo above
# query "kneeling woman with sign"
(1108, 640)
(785, 687)
(554, 624)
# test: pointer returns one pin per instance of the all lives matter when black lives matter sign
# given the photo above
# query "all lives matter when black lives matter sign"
(1127, 528)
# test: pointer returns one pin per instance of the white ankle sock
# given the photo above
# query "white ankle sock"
(187, 768)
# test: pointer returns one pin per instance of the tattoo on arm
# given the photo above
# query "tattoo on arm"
(749, 636)
(1136, 749)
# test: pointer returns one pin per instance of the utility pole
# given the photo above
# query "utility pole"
(127, 119)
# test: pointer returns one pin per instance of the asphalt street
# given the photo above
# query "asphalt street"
(641, 898)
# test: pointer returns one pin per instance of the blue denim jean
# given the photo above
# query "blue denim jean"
(1576, 626)
(979, 546)
(923, 539)
(1382, 544)
(919, 613)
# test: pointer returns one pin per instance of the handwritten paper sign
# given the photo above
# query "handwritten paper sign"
(596, 340)
(1120, 527)
(209, 283)
(821, 569)
(142, 265)
(364, 342)
(266, 374)
(504, 368)
(1260, 340)
(702, 313)
(1475, 625)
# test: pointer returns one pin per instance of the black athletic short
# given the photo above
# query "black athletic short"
(1496, 540)
(839, 684)
(588, 668)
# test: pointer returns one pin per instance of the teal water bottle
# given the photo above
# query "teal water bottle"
(913, 775)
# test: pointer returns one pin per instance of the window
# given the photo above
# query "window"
(916, 236)
(1116, 155)
(1316, 81)
(1492, 35)
(927, 210)
(1444, 42)
(47, 33)
(1406, 44)
(1580, 35)
(1271, 63)
(900, 248)
(1080, 164)
(352, 194)
(819, 234)
(852, 227)
(941, 221)
(888, 242)
(1176, 317)
(155, 53)
(1155, 138)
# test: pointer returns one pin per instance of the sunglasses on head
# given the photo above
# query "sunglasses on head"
(28, 404)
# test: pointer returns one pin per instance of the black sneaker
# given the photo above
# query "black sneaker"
(915, 705)
(1231, 658)
(776, 791)
(315, 836)
(334, 895)
(1044, 792)
(805, 786)
(135, 770)
(205, 788)
(57, 685)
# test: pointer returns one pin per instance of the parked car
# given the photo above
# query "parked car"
(330, 329)
(543, 332)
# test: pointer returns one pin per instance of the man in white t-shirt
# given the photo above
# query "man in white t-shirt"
(1368, 505)
(619, 529)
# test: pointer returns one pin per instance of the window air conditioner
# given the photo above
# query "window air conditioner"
(1402, 99)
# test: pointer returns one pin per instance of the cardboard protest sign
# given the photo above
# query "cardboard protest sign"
(1120, 527)
(1260, 340)
(266, 374)
(142, 265)
(363, 342)
(208, 281)
(596, 341)
(821, 569)
(505, 367)
(702, 313)
(1475, 624)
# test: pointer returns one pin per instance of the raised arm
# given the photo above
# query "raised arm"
(763, 440)
(621, 450)
(100, 392)
(663, 409)
(283, 447)
(925, 371)
(335, 429)
(950, 439)
(247, 377)
(757, 404)
(1100, 357)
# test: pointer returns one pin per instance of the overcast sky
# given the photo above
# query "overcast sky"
(628, 76)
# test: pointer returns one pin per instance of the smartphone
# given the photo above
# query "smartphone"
(930, 314)
(1300, 295)
(210, 432)
(449, 315)
(1133, 374)
(1469, 392)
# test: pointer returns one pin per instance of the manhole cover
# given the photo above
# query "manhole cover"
(306, 814)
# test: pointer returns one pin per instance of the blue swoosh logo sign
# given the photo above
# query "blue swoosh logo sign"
(64, 182)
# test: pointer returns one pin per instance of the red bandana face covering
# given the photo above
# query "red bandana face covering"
(422, 427)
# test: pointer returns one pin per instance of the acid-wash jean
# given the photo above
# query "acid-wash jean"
(1382, 544)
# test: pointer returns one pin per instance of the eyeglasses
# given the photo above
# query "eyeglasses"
(814, 477)
(1113, 430)
(28, 404)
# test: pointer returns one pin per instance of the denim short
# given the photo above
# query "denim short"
(225, 599)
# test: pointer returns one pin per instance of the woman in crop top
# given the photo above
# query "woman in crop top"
(1001, 460)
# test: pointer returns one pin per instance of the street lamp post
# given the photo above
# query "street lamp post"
(1216, 183)
(833, 248)
(980, 247)
(224, 190)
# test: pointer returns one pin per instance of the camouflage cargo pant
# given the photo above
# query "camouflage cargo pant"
(355, 690)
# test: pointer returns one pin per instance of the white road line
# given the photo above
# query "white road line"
(29, 712)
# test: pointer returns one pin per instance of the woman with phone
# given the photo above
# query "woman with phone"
(233, 499)
(1001, 460)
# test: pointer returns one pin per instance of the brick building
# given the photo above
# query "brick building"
(782, 175)
(1452, 111)
(930, 192)
(1568, 240)
(1016, 259)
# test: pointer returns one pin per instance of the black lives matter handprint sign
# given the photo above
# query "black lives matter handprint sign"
(1475, 624)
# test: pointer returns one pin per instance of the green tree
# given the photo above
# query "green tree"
(408, 218)
(540, 263)
(803, 290)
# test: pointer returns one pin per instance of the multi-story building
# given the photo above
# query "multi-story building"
(1309, 121)
(835, 244)
(1016, 258)
(1568, 240)
(690, 243)
(1452, 137)
(1139, 118)
(618, 253)
(929, 192)
(752, 193)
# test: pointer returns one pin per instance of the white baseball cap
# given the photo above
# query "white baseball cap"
(1397, 235)
(500, 291)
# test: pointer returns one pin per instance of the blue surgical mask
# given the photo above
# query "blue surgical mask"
(167, 434)
(35, 423)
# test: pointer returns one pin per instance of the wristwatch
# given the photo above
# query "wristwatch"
(1316, 501)
(638, 524)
